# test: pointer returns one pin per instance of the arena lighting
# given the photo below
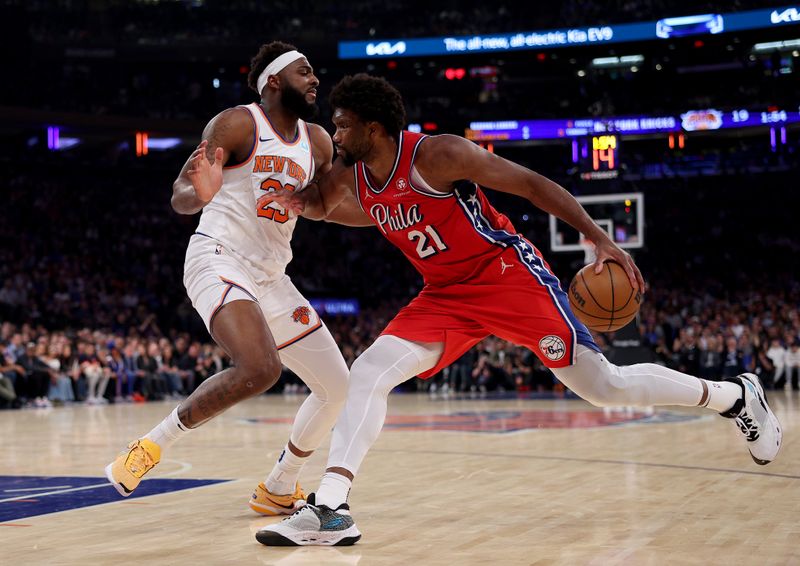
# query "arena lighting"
(161, 144)
(416, 128)
(66, 143)
(786, 45)
(141, 144)
(56, 142)
(455, 74)
(53, 134)
(624, 61)
(538, 40)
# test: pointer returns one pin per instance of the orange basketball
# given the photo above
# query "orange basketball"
(604, 302)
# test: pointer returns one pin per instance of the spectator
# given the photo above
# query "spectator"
(793, 365)
(777, 355)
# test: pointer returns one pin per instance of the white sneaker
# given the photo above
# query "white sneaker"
(312, 525)
(756, 420)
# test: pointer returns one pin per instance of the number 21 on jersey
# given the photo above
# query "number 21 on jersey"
(428, 242)
(278, 214)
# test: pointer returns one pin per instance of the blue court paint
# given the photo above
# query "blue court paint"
(29, 496)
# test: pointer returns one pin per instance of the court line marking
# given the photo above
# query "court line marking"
(591, 461)
(56, 492)
(185, 467)
(37, 488)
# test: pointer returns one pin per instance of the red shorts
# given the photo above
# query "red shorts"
(516, 298)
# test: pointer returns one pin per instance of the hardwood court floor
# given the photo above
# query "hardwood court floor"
(567, 487)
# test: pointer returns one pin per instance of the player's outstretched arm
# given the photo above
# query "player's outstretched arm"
(445, 159)
(330, 197)
(230, 133)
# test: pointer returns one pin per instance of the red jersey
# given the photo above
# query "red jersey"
(449, 237)
(481, 276)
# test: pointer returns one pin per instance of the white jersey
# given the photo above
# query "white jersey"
(241, 215)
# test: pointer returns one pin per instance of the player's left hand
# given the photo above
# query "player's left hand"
(610, 251)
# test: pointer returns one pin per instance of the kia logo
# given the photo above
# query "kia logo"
(386, 48)
(785, 17)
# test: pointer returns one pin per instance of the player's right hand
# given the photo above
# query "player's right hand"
(289, 200)
(206, 176)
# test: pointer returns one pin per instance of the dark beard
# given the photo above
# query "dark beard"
(295, 101)
(356, 154)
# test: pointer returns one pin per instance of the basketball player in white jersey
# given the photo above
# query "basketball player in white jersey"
(235, 273)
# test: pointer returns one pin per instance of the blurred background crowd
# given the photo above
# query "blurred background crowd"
(92, 305)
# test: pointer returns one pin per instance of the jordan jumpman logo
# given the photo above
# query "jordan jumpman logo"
(504, 266)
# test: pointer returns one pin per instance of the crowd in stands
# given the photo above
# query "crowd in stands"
(92, 304)
(709, 338)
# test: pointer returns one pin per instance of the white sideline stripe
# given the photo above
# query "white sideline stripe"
(37, 488)
(58, 491)
(185, 466)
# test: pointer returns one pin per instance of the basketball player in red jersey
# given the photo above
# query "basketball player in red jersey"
(481, 277)
(235, 273)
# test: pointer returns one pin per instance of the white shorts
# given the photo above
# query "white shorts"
(214, 276)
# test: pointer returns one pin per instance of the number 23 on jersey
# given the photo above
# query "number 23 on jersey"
(275, 213)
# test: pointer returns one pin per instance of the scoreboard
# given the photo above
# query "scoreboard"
(599, 157)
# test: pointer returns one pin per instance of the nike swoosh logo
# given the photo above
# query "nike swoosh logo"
(265, 139)
(333, 523)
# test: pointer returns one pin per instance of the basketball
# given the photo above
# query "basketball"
(604, 302)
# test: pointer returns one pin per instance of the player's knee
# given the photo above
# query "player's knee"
(601, 398)
(610, 391)
(602, 385)
(261, 372)
(336, 388)
(363, 376)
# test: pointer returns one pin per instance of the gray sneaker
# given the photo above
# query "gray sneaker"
(756, 420)
(312, 525)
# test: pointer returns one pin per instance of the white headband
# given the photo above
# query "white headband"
(277, 65)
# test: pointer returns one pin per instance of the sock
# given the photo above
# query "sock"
(283, 477)
(168, 431)
(333, 490)
(722, 395)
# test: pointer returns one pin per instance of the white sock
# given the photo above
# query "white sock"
(333, 490)
(283, 477)
(722, 395)
(168, 431)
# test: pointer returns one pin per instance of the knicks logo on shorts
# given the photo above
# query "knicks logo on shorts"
(302, 315)
(553, 347)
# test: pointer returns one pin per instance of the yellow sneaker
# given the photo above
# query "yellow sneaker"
(267, 503)
(127, 470)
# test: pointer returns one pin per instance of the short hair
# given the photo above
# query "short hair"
(372, 99)
(266, 55)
